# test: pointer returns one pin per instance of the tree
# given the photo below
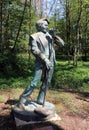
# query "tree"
(1, 2)
(20, 24)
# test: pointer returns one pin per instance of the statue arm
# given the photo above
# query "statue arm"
(58, 41)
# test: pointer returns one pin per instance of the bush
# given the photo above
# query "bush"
(17, 65)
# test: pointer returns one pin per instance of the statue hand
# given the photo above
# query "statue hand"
(48, 64)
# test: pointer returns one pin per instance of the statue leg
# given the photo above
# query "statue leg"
(28, 91)
(44, 87)
(42, 94)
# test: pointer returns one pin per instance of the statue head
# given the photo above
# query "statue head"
(42, 25)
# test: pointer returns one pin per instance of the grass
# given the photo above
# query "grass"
(65, 76)
(67, 101)
(1, 98)
(66, 105)
(71, 77)
(63, 101)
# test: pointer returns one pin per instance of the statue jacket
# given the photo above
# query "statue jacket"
(42, 47)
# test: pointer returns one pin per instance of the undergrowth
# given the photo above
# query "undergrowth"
(66, 76)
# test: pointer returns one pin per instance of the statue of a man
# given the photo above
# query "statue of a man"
(43, 50)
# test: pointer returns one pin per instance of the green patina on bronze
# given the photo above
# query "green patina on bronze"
(43, 49)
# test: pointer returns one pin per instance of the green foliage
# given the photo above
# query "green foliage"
(17, 65)
(70, 77)
(65, 76)
(17, 73)
(14, 82)
(12, 29)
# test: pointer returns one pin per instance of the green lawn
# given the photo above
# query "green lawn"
(65, 76)
(69, 76)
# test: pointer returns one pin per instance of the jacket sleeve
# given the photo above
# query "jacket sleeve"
(35, 50)
(58, 41)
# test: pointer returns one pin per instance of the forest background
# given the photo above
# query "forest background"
(70, 18)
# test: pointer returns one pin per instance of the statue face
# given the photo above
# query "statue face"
(43, 26)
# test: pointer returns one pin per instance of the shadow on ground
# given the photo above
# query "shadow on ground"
(82, 95)
(11, 102)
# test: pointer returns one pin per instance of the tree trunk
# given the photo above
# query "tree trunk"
(77, 42)
(30, 23)
(86, 35)
(75, 56)
(6, 33)
(20, 25)
(1, 46)
(68, 29)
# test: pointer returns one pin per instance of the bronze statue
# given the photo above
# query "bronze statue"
(42, 48)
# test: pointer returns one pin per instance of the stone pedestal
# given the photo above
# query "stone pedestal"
(45, 128)
(34, 113)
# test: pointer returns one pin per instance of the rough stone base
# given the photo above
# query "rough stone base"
(45, 128)
(36, 115)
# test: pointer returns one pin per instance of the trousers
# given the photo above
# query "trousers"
(43, 75)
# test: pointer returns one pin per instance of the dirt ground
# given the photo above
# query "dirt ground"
(69, 120)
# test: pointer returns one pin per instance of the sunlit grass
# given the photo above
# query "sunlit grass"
(65, 76)
(67, 100)
(1, 98)
(71, 77)
(63, 101)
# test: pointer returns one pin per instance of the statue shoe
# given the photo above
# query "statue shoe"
(22, 100)
(28, 106)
